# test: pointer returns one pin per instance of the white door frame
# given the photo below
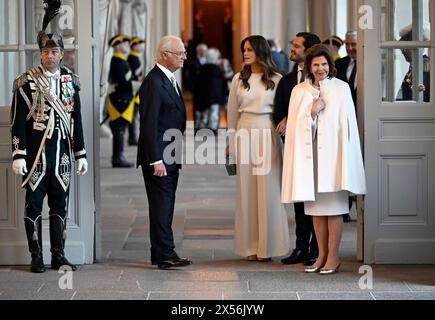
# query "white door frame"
(399, 140)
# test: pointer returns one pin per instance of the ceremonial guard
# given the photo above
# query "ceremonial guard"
(46, 135)
(120, 103)
(136, 45)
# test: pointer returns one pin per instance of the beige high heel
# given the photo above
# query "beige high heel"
(264, 259)
(330, 271)
(313, 269)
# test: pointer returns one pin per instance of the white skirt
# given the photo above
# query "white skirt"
(326, 204)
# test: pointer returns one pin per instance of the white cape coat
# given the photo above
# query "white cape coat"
(340, 164)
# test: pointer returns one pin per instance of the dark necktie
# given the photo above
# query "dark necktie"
(302, 76)
(352, 77)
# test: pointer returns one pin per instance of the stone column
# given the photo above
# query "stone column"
(321, 17)
(267, 18)
(295, 21)
(352, 15)
(186, 9)
(241, 29)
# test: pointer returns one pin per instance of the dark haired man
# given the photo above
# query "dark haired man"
(306, 250)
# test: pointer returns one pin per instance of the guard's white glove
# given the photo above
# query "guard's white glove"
(82, 166)
(19, 166)
(136, 86)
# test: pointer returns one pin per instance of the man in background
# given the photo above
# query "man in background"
(306, 250)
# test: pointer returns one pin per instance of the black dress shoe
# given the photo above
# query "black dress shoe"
(174, 263)
(132, 143)
(311, 259)
(37, 264)
(154, 262)
(297, 256)
(347, 218)
(58, 261)
(121, 164)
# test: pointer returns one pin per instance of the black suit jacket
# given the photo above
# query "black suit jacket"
(282, 95)
(341, 65)
(161, 109)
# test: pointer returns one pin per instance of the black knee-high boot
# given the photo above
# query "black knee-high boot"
(118, 158)
(57, 241)
(34, 239)
(132, 128)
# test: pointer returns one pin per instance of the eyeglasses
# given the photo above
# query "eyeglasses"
(178, 54)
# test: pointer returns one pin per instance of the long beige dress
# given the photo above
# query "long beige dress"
(261, 226)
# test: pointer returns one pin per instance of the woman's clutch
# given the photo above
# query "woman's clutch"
(230, 165)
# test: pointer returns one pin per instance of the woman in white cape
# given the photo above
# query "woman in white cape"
(322, 154)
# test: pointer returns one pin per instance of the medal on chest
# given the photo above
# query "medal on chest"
(67, 93)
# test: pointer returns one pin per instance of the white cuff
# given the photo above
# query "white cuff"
(157, 162)
(80, 153)
(20, 152)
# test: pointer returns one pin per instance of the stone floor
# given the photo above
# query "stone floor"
(203, 228)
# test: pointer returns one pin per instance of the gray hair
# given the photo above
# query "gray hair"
(201, 47)
(166, 44)
(352, 33)
(213, 56)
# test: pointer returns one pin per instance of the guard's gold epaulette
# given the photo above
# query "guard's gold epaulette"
(74, 76)
(20, 81)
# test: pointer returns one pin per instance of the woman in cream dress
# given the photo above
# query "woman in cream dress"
(322, 154)
(261, 227)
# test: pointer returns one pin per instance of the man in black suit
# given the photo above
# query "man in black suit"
(347, 66)
(306, 250)
(161, 109)
(347, 71)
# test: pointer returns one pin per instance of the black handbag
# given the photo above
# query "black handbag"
(231, 167)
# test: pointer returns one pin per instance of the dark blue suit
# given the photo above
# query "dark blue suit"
(161, 109)
(305, 237)
(341, 65)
